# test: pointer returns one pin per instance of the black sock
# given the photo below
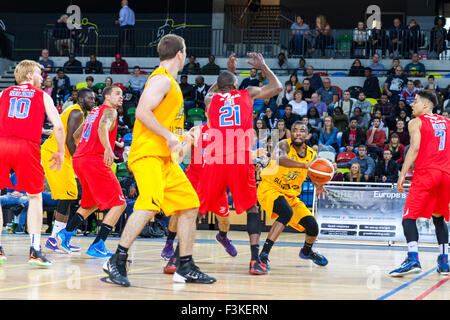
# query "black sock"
(185, 260)
(74, 222)
(255, 251)
(176, 253)
(103, 233)
(223, 234)
(267, 246)
(121, 249)
(171, 235)
(307, 248)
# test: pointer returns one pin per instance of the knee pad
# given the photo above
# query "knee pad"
(253, 223)
(284, 211)
(63, 206)
(310, 225)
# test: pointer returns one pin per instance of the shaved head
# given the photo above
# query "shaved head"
(226, 81)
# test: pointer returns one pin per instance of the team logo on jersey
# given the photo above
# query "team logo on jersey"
(291, 175)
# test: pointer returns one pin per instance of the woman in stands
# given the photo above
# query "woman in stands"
(299, 106)
(323, 34)
(355, 174)
(395, 64)
(261, 134)
(49, 88)
(397, 149)
(328, 136)
(356, 70)
(314, 118)
(340, 120)
(283, 132)
(270, 119)
(294, 81)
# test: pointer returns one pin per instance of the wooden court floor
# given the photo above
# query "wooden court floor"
(355, 271)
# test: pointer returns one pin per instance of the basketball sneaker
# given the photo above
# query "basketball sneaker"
(257, 268)
(317, 258)
(98, 250)
(63, 238)
(116, 268)
(171, 266)
(410, 265)
(167, 252)
(226, 243)
(264, 258)
(38, 259)
(443, 267)
(190, 273)
(2, 256)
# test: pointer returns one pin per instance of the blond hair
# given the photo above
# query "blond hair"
(358, 179)
(169, 45)
(23, 68)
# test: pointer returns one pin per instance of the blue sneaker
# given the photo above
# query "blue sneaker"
(443, 267)
(74, 248)
(317, 258)
(63, 238)
(410, 265)
(52, 244)
(98, 250)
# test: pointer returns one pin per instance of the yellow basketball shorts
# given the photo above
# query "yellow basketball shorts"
(62, 183)
(267, 194)
(162, 185)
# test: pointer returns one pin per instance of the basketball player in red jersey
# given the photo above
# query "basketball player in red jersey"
(92, 164)
(429, 194)
(22, 112)
(228, 156)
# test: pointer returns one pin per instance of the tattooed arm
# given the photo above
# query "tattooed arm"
(106, 125)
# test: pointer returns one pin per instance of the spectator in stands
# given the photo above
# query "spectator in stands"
(294, 81)
(186, 89)
(418, 84)
(413, 36)
(301, 70)
(136, 83)
(119, 148)
(289, 117)
(328, 94)
(323, 34)
(445, 114)
(99, 91)
(355, 174)
(383, 125)
(299, 106)
(192, 67)
(367, 164)
(366, 108)
(62, 83)
(397, 39)
(283, 131)
(300, 35)
(73, 65)
(387, 110)
(360, 38)
(352, 137)
(415, 68)
(261, 134)
(320, 106)
(402, 115)
(378, 40)
(314, 119)
(253, 81)
(314, 79)
(123, 123)
(269, 103)
(346, 104)
(395, 84)
(356, 70)
(378, 69)
(63, 35)
(403, 106)
(371, 87)
(270, 120)
(432, 80)
(396, 148)
(286, 95)
(211, 68)
(263, 79)
(282, 65)
(437, 38)
(46, 62)
(126, 22)
(328, 136)
(340, 120)
(90, 82)
(119, 66)
(387, 169)
(50, 89)
(357, 113)
(376, 138)
(93, 65)
(307, 91)
(395, 64)
(200, 91)
(409, 93)
(312, 138)
(71, 100)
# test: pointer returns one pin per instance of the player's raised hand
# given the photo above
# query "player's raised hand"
(232, 63)
(400, 182)
(257, 60)
(109, 157)
(57, 159)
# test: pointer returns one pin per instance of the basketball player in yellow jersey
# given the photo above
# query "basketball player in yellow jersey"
(161, 182)
(62, 183)
(279, 189)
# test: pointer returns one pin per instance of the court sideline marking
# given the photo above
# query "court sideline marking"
(430, 290)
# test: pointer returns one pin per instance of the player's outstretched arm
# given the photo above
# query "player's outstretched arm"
(414, 127)
(280, 155)
(274, 86)
(105, 126)
(58, 131)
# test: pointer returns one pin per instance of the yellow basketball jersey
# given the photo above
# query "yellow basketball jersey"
(288, 180)
(50, 144)
(169, 113)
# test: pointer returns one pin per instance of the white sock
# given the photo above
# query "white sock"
(413, 246)
(57, 227)
(36, 241)
(443, 248)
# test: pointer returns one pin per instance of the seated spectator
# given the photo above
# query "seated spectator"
(294, 81)
(403, 116)
(50, 89)
(355, 174)
(314, 118)
(357, 114)
(366, 108)
(360, 37)
(283, 131)
(409, 93)
(323, 35)
(119, 66)
(395, 84)
(366, 163)
(73, 65)
(71, 100)
(346, 104)
(415, 68)
(431, 80)
(328, 136)
(286, 95)
(301, 70)
(312, 138)
(401, 132)
(376, 138)
(387, 169)
(356, 70)
(378, 69)
(123, 123)
(289, 117)
(269, 103)
(192, 67)
(383, 126)
(314, 79)
(261, 134)
(253, 81)
(188, 92)
(211, 68)
(93, 65)
(307, 91)
(396, 148)
(445, 114)
(320, 106)
(395, 64)
(119, 148)
(402, 106)
(378, 40)
(270, 119)
(352, 137)
(300, 35)
(99, 90)
(200, 91)
(340, 120)
(90, 82)
(62, 83)
(328, 94)
(387, 111)
(397, 37)
(63, 35)
(282, 65)
(46, 62)
(137, 82)
(371, 87)
(299, 106)
(418, 84)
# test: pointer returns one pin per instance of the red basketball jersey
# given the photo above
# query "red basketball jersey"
(231, 125)
(89, 142)
(198, 152)
(434, 149)
(22, 112)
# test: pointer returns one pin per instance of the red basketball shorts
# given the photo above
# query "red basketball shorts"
(429, 193)
(24, 158)
(194, 176)
(216, 178)
(99, 185)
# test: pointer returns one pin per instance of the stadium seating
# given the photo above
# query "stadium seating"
(344, 157)
(195, 115)
(132, 114)
(122, 170)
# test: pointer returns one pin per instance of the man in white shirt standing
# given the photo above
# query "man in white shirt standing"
(126, 22)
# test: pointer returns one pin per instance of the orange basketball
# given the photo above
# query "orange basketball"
(321, 171)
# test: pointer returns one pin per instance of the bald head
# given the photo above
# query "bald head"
(227, 82)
